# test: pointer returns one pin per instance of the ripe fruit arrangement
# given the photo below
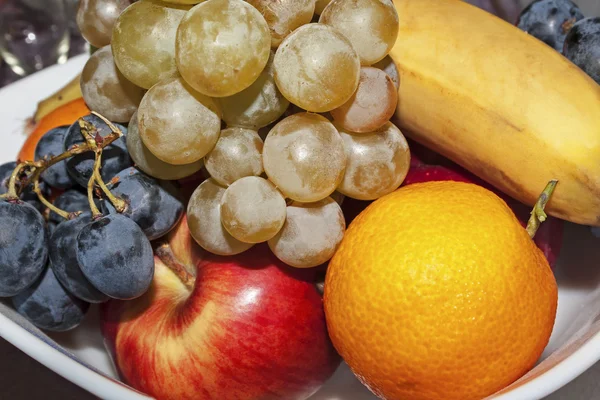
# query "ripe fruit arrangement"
(256, 67)
(150, 72)
(278, 118)
(97, 201)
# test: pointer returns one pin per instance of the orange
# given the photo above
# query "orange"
(64, 115)
(437, 292)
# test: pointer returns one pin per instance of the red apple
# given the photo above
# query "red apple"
(242, 327)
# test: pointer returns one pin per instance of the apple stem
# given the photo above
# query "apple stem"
(166, 255)
(538, 215)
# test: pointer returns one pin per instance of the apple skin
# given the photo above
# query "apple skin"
(248, 328)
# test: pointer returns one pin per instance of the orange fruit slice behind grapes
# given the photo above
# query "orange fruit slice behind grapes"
(63, 115)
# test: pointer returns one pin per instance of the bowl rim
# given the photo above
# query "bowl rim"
(67, 365)
(559, 375)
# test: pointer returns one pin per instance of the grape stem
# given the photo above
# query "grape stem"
(90, 187)
(34, 170)
(12, 183)
(112, 126)
(119, 204)
(93, 142)
(538, 215)
(40, 195)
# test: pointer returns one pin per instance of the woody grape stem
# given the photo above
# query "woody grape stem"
(90, 186)
(35, 169)
(97, 144)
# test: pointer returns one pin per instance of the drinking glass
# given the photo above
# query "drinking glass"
(33, 34)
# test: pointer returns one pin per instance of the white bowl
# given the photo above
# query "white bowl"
(79, 355)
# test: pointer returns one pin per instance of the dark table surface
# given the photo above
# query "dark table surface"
(21, 377)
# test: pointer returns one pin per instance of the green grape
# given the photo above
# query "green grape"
(96, 18)
(284, 16)
(106, 91)
(258, 105)
(320, 6)
(191, 2)
(371, 25)
(317, 68)
(222, 47)
(143, 41)
(149, 163)
(177, 124)
(371, 106)
(377, 162)
(252, 210)
(204, 220)
(304, 157)
(238, 153)
(389, 67)
(311, 234)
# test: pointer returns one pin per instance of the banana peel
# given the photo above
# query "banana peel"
(71, 91)
(500, 103)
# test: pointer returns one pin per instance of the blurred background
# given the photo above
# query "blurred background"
(35, 34)
(510, 9)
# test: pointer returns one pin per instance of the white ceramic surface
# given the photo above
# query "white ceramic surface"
(80, 357)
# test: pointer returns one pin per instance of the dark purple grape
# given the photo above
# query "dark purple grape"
(550, 20)
(49, 306)
(582, 46)
(63, 260)
(6, 170)
(23, 246)
(115, 157)
(71, 201)
(27, 195)
(50, 145)
(154, 207)
(50, 227)
(116, 256)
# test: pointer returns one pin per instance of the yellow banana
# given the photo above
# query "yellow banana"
(64, 95)
(500, 103)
